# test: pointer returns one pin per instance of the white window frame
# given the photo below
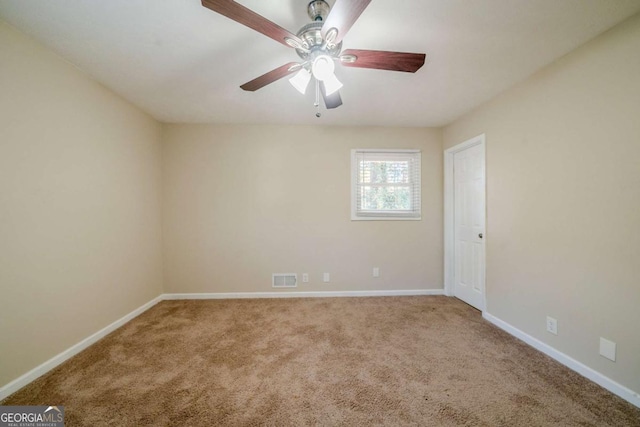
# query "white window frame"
(361, 215)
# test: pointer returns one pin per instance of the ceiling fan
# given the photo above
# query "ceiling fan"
(319, 45)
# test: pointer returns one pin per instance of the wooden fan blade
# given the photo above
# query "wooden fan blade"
(249, 18)
(271, 76)
(383, 60)
(330, 101)
(342, 16)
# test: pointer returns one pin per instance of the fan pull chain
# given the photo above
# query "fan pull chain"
(317, 103)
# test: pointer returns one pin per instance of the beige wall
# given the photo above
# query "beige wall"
(81, 185)
(243, 202)
(80, 231)
(563, 201)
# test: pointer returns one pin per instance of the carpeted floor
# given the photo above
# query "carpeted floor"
(335, 361)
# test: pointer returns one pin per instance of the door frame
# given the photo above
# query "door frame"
(449, 215)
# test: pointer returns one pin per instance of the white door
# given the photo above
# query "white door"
(468, 227)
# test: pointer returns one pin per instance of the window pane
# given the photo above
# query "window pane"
(385, 198)
(381, 171)
(386, 184)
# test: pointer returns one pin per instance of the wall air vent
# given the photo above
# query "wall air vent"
(285, 280)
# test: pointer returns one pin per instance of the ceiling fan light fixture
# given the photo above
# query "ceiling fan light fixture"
(331, 85)
(301, 80)
(323, 67)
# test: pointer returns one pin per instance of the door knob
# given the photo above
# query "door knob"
(480, 235)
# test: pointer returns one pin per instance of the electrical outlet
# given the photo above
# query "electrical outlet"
(376, 272)
(552, 325)
(326, 278)
(608, 349)
(305, 277)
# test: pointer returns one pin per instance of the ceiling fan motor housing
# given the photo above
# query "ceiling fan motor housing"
(311, 35)
(318, 10)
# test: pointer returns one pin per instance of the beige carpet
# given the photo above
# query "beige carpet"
(335, 361)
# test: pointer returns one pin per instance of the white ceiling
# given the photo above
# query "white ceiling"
(181, 62)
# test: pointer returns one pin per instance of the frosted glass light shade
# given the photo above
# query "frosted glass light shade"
(332, 84)
(301, 80)
(323, 67)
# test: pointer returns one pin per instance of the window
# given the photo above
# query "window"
(385, 184)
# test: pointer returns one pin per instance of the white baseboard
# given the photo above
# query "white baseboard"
(319, 294)
(595, 376)
(42, 369)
